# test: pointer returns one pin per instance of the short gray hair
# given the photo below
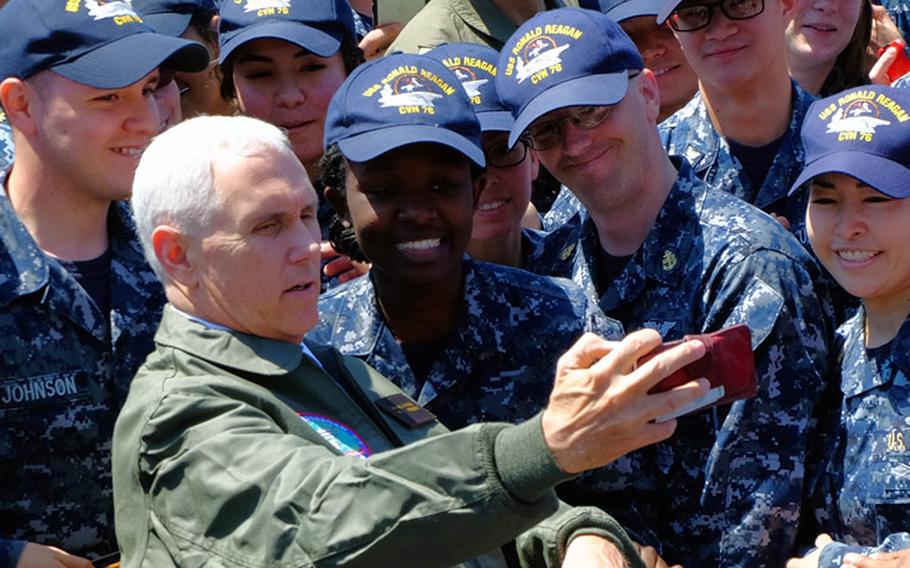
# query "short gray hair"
(174, 183)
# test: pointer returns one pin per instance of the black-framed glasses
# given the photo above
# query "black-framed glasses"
(697, 16)
(544, 134)
(499, 155)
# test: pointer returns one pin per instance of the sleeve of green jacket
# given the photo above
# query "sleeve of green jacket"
(222, 482)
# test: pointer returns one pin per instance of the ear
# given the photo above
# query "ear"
(789, 7)
(171, 247)
(646, 83)
(337, 201)
(535, 163)
(214, 24)
(17, 98)
(477, 185)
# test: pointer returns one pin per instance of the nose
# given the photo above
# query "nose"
(290, 94)
(144, 117)
(418, 208)
(305, 247)
(851, 222)
(652, 50)
(826, 6)
(720, 27)
(575, 139)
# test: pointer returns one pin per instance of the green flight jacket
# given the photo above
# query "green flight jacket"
(217, 462)
(456, 21)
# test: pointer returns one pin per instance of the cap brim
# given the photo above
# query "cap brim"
(169, 23)
(495, 121)
(879, 173)
(124, 61)
(310, 39)
(666, 9)
(635, 9)
(368, 145)
(603, 89)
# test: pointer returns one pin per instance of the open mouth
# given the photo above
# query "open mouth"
(821, 28)
(660, 71)
(129, 151)
(421, 245)
(300, 287)
(492, 205)
(857, 256)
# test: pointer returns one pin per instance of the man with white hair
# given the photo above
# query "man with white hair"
(77, 300)
(240, 444)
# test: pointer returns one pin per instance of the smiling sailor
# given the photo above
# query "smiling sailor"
(78, 303)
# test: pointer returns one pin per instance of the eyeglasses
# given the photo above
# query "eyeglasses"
(545, 134)
(697, 16)
(501, 156)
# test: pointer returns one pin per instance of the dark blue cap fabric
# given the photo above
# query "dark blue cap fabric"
(100, 43)
(475, 67)
(862, 132)
(319, 26)
(621, 10)
(398, 100)
(563, 58)
(172, 17)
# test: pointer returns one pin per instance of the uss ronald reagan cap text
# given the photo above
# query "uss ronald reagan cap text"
(475, 67)
(397, 100)
(319, 26)
(563, 58)
(103, 44)
(863, 132)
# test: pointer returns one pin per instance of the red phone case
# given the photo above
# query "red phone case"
(728, 362)
(901, 65)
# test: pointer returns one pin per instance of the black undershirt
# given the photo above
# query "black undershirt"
(421, 357)
(606, 268)
(95, 277)
(756, 161)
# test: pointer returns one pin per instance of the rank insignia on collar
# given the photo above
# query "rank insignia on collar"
(405, 410)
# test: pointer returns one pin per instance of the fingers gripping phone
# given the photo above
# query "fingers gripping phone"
(728, 364)
(901, 65)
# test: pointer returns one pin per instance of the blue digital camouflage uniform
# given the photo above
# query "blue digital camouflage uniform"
(864, 498)
(497, 365)
(7, 150)
(64, 372)
(690, 133)
(549, 253)
(903, 82)
(726, 489)
(899, 10)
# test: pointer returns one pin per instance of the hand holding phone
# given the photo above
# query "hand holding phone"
(728, 364)
(901, 65)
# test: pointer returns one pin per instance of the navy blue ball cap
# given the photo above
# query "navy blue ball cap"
(621, 10)
(100, 43)
(864, 133)
(397, 100)
(563, 58)
(475, 67)
(319, 26)
(172, 17)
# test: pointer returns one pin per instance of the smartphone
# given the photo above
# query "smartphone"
(901, 65)
(728, 364)
(391, 11)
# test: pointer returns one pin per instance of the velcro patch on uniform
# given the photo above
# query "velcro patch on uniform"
(405, 410)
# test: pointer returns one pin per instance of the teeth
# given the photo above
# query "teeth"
(425, 244)
(132, 152)
(856, 255)
(490, 205)
(659, 72)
